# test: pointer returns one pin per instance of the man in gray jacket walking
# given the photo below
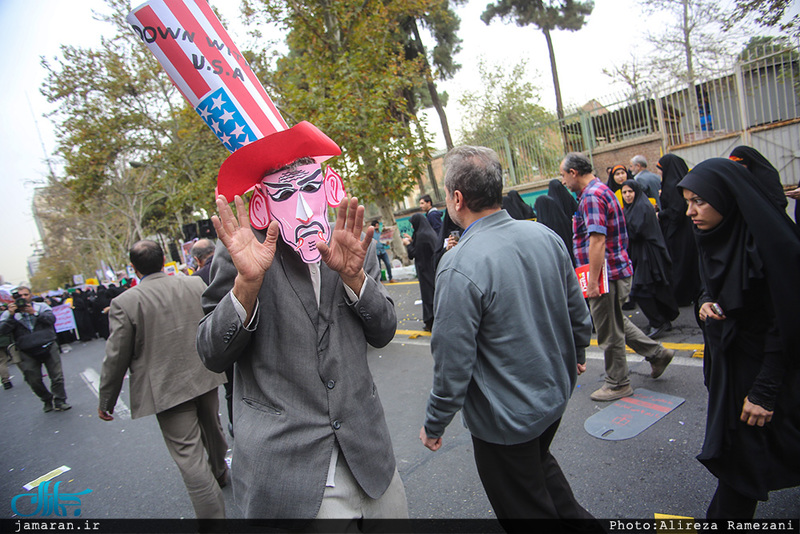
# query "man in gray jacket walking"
(510, 323)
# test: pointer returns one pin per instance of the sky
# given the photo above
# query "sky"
(35, 28)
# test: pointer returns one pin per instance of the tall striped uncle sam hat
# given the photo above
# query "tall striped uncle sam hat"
(199, 56)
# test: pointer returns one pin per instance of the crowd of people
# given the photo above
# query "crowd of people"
(288, 318)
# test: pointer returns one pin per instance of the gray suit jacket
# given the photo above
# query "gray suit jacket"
(301, 384)
(153, 329)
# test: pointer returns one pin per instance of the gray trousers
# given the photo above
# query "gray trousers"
(32, 371)
(615, 330)
(348, 501)
(5, 376)
(191, 430)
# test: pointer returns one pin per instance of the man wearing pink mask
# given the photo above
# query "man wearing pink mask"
(293, 304)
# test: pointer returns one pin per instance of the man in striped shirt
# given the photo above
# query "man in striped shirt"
(600, 237)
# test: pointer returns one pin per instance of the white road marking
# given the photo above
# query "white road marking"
(49, 476)
(92, 380)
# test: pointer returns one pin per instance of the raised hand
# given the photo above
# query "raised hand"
(251, 258)
(346, 252)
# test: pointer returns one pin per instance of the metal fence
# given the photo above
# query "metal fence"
(760, 89)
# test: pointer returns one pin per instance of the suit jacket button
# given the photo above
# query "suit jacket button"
(337, 425)
(331, 384)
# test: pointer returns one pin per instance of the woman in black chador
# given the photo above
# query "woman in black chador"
(550, 214)
(652, 266)
(421, 249)
(749, 259)
(677, 230)
(559, 193)
(516, 207)
(766, 176)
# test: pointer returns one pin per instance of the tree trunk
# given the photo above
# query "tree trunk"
(687, 45)
(427, 153)
(557, 87)
(432, 88)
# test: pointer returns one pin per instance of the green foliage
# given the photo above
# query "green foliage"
(127, 138)
(507, 102)
(346, 72)
(545, 15)
(506, 112)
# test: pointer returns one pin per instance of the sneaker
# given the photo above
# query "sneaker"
(48, 406)
(607, 393)
(659, 364)
(62, 406)
(8, 385)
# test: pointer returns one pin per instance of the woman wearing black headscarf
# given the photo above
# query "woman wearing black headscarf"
(677, 230)
(421, 249)
(516, 207)
(766, 176)
(559, 193)
(749, 260)
(550, 214)
(652, 266)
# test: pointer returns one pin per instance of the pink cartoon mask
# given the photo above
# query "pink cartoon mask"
(298, 199)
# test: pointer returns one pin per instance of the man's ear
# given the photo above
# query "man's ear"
(458, 200)
(334, 187)
(259, 212)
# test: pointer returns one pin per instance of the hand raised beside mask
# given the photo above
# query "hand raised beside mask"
(344, 254)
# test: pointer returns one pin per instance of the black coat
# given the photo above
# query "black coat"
(749, 262)
(677, 230)
(421, 250)
(652, 266)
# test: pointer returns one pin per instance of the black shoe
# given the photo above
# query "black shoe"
(656, 331)
(8, 385)
(48, 406)
(62, 406)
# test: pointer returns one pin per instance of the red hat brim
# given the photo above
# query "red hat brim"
(247, 166)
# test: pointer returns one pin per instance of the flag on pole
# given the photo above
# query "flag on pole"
(199, 56)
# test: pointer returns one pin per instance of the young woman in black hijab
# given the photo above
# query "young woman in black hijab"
(559, 193)
(766, 176)
(516, 207)
(652, 266)
(618, 175)
(677, 230)
(550, 214)
(421, 247)
(749, 260)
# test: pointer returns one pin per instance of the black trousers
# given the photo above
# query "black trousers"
(650, 310)
(728, 503)
(525, 480)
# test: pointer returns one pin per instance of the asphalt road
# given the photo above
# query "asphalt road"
(131, 475)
